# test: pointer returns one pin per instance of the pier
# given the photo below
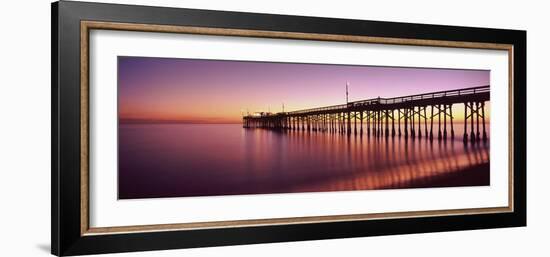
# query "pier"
(427, 115)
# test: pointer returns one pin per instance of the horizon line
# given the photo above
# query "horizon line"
(155, 121)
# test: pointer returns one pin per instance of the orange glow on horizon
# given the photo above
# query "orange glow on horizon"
(228, 117)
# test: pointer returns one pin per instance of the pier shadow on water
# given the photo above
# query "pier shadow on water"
(175, 160)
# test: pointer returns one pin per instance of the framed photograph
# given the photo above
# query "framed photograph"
(177, 128)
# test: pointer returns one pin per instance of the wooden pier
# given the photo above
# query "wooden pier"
(409, 116)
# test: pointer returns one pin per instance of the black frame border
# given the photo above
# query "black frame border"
(66, 236)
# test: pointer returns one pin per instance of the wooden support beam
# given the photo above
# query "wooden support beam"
(406, 116)
(439, 122)
(478, 135)
(387, 129)
(465, 137)
(472, 134)
(483, 116)
(361, 117)
(349, 123)
(445, 122)
(412, 123)
(419, 122)
(392, 123)
(432, 123)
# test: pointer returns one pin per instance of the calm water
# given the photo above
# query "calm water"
(171, 160)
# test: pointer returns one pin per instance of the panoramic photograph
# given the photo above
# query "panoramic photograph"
(196, 127)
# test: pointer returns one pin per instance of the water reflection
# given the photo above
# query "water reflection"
(167, 160)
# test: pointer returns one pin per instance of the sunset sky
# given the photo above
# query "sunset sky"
(211, 91)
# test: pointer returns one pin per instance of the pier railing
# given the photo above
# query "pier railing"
(395, 100)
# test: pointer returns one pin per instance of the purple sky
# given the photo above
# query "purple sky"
(219, 91)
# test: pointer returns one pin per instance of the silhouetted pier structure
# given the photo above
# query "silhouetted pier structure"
(411, 116)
